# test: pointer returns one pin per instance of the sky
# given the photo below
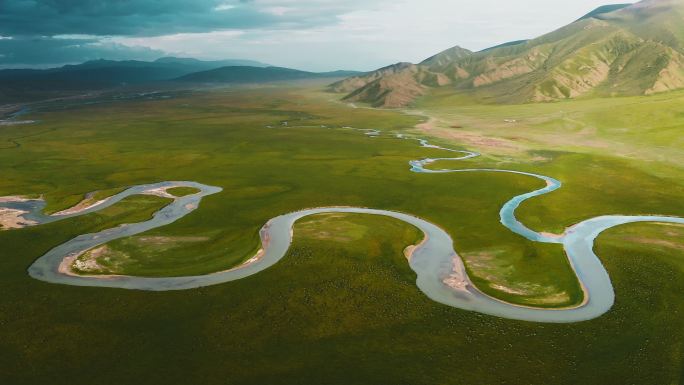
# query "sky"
(315, 35)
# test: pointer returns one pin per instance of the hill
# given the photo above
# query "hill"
(203, 64)
(624, 49)
(393, 86)
(28, 84)
(247, 74)
(603, 10)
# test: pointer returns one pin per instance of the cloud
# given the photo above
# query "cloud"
(155, 18)
(187, 44)
(49, 51)
(41, 32)
(278, 11)
(306, 34)
(224, 7)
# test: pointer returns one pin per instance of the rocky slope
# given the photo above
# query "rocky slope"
(624, 49)
(393, 86)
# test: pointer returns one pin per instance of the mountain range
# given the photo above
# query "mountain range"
(18, 85)
(102, 73)
(615, 50)
(248, 74)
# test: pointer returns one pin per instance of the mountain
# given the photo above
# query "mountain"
(393, 86)
(210, 64)
(445, 57)
(507, 44)
(623, 49)
(247, 74)
(26, 84)
(603, 10)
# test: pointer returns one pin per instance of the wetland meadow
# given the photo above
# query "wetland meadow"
(344, 295)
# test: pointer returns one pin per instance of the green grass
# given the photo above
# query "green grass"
(102, 194)
(342, 306)
(613, 156)
(182, 191)
(328, 307)
(643, 130)
(64, 202)
(261, 166)
(133, 209)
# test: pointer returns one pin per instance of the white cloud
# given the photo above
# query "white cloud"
(370, 34)
(224, 7)
(214, 45)
(278, 11)
(77, 37)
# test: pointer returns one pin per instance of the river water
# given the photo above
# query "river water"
(440, 271)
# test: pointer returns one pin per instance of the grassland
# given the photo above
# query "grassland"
(629, 128)
(614, 156)
(133, 209)
(67, 201)
(344, 296)
(182, 191)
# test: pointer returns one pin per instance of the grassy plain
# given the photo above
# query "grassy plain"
(67, 201)
(344, 296)
(133, 209)
(182, 191)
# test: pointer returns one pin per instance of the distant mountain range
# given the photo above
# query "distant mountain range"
(622, 49)
(18, 85)
(246, 74)
(106, 73)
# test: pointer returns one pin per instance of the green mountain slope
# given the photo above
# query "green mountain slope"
(604, 9)
(392, 86)
(632, 49)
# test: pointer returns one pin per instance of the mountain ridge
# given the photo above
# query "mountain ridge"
(17, 85)
(249, 74)
(622, 49)
(103, 73)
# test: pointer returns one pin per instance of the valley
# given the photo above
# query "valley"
(507, 213)
(233, 139)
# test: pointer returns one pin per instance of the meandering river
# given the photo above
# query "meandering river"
(440, 271)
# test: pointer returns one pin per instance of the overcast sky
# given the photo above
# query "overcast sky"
(313, 35)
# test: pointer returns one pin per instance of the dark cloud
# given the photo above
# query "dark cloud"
(45, 51)
(41, 31)
(155, 17)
